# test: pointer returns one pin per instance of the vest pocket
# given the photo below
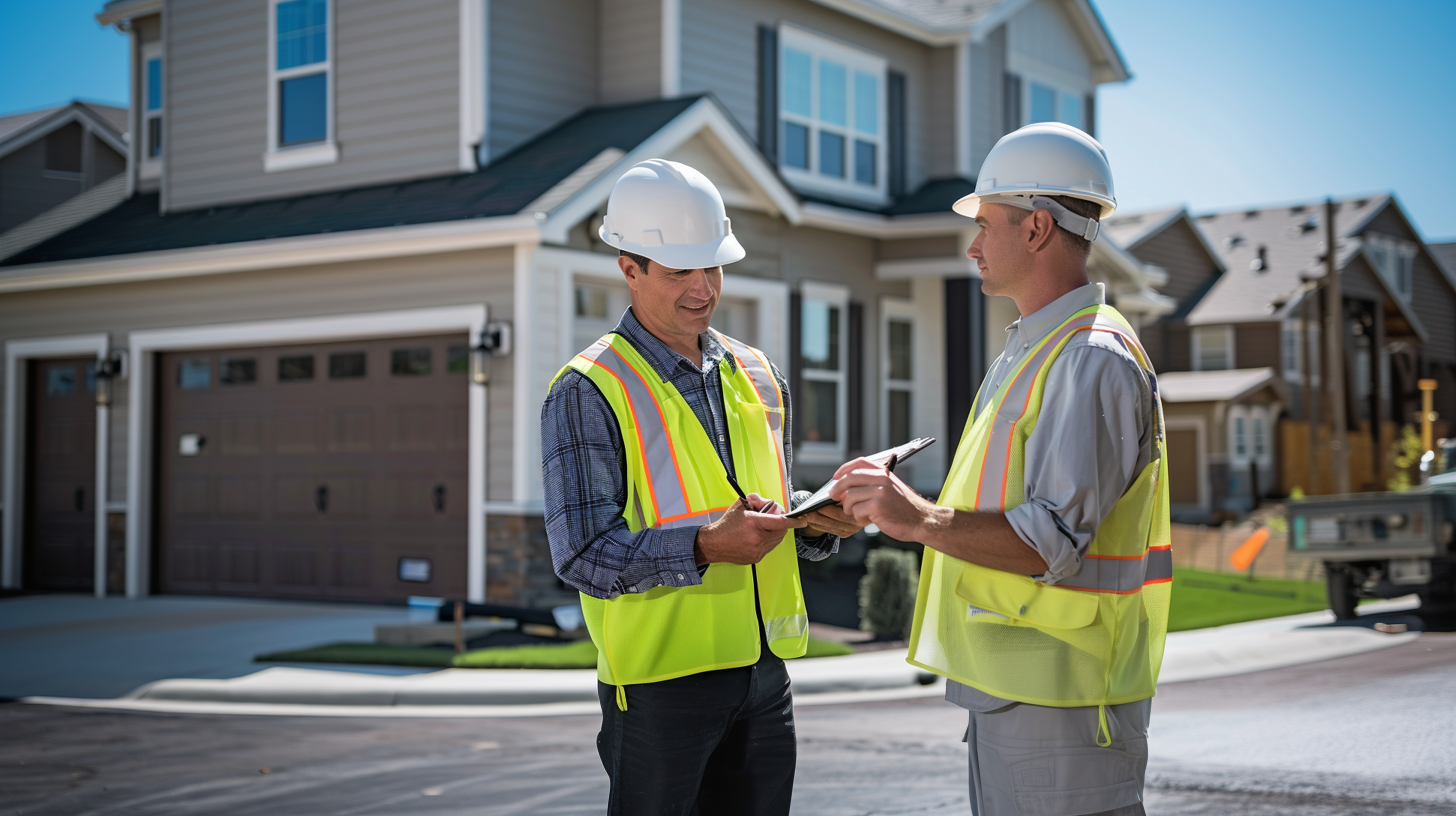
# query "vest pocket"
(1026, 601)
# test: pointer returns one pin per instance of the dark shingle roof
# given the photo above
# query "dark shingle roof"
(1445, 252)
(934, 196)
(501, 188)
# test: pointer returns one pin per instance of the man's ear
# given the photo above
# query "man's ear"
(629, 270)
(1041, 230)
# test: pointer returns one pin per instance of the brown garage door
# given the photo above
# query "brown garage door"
(60, 502)
(1183, 466)
(322, 471)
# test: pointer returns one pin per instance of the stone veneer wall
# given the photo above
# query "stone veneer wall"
(518, 564)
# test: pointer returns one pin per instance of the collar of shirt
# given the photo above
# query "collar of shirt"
(1030, 329)
(664, 360)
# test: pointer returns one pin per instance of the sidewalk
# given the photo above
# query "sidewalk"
(160, 642)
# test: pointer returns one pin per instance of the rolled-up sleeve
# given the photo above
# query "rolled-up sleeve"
(1091, 440)
(583, 467)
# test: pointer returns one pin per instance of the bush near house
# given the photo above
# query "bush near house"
(887, 592)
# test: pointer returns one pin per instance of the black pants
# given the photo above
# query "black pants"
(720, 742)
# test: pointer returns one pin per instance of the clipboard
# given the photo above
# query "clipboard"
(899, 454)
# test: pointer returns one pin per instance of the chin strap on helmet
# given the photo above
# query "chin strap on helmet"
(1080, 226)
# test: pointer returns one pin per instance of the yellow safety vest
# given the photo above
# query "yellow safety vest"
(675, 479)
(1097, 637)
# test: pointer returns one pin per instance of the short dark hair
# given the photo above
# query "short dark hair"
(1079, 206)
(641, 260)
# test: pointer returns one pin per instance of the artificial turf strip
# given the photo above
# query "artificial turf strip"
(1203, 599)
(580, 654)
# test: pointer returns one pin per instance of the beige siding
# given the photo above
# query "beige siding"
(939, 246)
(987, 89)
(939, 116)
(1042, 34)
(26, 190)
(720, 55)
(543, 66)
(631, 50)
(1178, 250)
(409, 283)
(1432, 298)
(396, 80)
(1257, 345)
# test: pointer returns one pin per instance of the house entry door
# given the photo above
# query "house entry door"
(60, 534)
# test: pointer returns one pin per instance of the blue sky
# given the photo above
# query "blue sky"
(1232, 104)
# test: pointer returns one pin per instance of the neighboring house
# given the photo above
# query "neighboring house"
(1248, 315)
(335, 206)
(53, 155)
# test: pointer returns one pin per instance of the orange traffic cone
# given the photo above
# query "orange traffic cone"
(1243, 557)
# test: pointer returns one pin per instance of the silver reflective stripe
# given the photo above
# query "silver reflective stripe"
(789, 626)
(695, 520)
(1102, 573)
(756, 366)
(669, 497)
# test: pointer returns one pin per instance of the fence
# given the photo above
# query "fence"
(1209, 548)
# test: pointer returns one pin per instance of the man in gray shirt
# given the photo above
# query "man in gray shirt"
(1093, 435)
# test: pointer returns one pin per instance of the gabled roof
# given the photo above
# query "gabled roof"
(503, 187)
(1215, 386)
(1445, 255)
(945, 22)
(107, 121)
(1130, 229)
(1293, 240)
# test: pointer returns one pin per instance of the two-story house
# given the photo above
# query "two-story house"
(51, 156)
(335, 198)
(1240, 360)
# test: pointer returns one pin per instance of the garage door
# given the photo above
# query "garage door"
(60, 494)
(1183, 466)
(324, 471)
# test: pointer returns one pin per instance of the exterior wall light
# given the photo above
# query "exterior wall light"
(494, 341)
(107, 371)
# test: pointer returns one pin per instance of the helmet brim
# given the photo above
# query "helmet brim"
(719, 252)
(970, 205)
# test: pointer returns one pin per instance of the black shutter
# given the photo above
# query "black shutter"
(854, 382)
(768, 92)
(965, 355)
(895, 132)
(796, 366)
(1092, 115)
(1011, 103)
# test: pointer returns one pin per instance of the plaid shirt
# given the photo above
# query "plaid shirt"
(584, 466)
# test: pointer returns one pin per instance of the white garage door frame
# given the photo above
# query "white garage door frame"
(469, 318)
(17, 354)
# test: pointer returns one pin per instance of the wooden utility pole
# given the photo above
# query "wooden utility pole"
(1311, 402)
(1428, 413)
(1335, 357)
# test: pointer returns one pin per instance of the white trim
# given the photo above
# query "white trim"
(151, 166)
(1200, 426)
(143, 344)
(273, 253)
(473, 80)
(871, 225)
(278, 157)
(17, 352)
(1195, 347)
(671, 56)
(114, 12)
(482, 152)
(906, 268)
(961, 87)
(59, 118)
(526, 436)
(827, 453)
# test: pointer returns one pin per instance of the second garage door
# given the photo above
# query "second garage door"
(324, 471)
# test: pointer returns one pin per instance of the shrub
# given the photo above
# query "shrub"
(887, 593)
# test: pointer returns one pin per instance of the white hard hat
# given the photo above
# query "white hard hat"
(1045, 159)
(670, 213)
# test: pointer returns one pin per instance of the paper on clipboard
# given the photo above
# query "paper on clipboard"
(900, 453)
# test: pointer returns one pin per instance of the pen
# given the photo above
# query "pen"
(890, 465)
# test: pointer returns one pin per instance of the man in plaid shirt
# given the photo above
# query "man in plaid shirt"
(721, 740)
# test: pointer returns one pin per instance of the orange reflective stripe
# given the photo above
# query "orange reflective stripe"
(631, 406)
(760, 375)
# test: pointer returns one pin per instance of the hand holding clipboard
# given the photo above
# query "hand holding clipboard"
(889, 458)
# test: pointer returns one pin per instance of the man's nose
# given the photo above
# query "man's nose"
(974, 251)
(699, 287)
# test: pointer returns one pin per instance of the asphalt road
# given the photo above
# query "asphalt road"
(1366, 735)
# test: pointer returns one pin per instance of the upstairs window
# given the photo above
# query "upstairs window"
(1213, 348)
(1049, 103)
(300, 85)
(832, 116)
(1395, 260)
(152, 111)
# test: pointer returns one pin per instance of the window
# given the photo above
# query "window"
(1394, 259)
(1048, 103)
(295, 368)
(1213, 348)
(300, 86)
(410, 362)
(1241, 447)
(457, 360)
(1260, 440)
(348, 365)
(237, 371)
(1249, 436)
(194, 374)
(152, 113)
(820, 410)
(832, 103)
(897, 355)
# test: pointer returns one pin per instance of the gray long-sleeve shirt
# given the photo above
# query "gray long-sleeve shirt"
(1093, 437)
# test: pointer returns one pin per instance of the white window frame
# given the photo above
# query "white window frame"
(1196, 346)
(896, 309)
(828, 452)
(151, 166)
(278, 158)
(854, 59)
(1250, 414)
(1394, 260)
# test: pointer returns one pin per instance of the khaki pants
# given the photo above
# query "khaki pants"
(1030, 760)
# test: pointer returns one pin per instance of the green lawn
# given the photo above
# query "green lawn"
(1202, 599)
(579, 654)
